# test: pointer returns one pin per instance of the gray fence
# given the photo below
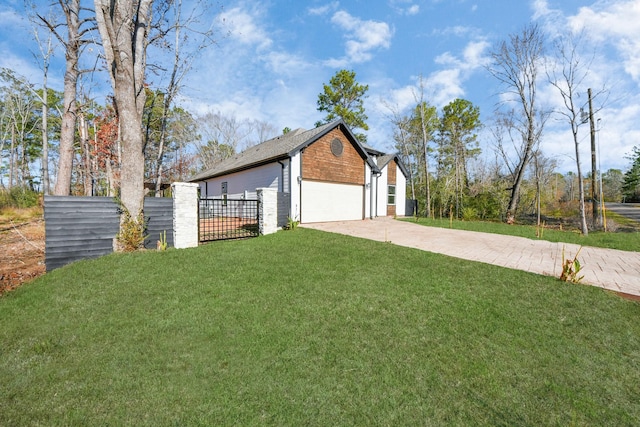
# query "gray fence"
(84, 227)
(284, 201)
(410, 207)
(158, 212)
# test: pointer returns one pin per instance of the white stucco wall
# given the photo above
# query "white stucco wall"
(295, 172)
(367, 191)
(381, 193)
(267, 176)
(401, 192)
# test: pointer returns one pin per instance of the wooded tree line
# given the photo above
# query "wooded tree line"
(176, 143)
(441, 150)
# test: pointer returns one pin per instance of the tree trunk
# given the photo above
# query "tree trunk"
(67, 132)
(86, 155)
(515, 189)
(124, 27)
(12, 156)
(45, 139)
(583, 215)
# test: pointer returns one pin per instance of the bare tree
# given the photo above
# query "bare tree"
(428, 121)
(401, 134)
(516, 64)
(183, 32)
(567, 80)
(239, 134)
(567, 75)
(124, 29)
(46, 52)
(78, 28)
(19, 122)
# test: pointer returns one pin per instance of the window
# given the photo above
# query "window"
(336, 147)
(391, 195)
(224, 193)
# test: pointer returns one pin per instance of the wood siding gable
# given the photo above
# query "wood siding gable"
(319, 162)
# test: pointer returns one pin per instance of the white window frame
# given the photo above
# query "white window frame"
(391, 194)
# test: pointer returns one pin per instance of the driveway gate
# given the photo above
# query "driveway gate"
(221, 219)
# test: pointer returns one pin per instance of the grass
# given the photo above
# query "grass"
(310, 328)
(626, 241)
(9, 215)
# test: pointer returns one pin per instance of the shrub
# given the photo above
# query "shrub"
(18, 197)
(131, 236)
(469, 214)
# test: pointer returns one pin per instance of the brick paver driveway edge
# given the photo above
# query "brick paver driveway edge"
(606, 268)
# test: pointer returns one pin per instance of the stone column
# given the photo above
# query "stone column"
(268, 209)
(185, 214)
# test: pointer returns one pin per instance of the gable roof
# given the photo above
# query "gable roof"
(383, 161)
(279, 148)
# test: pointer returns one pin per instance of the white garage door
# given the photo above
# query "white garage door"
(322, 201)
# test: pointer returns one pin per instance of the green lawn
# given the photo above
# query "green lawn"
(308, 328)
(626, 241)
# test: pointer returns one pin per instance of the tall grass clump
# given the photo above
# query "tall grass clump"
(18, 197)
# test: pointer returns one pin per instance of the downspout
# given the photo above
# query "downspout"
(281, 184)
(299, 181)
(281, 189)
(371, 195)
(377, 192)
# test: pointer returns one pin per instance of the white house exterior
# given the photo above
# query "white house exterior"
(322, 174)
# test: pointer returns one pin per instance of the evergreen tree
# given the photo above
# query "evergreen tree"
(343, 98)
(631, 183)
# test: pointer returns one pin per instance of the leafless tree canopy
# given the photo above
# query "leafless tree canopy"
(516, 64)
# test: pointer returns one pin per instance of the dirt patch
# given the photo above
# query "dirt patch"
(21, 253)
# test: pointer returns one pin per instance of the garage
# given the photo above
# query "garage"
(325, 201)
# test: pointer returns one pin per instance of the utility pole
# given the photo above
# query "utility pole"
(594, 194)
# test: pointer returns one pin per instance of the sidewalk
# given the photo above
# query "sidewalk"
(611, 269)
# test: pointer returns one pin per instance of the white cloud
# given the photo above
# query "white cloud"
(456, 30)
(10, 17)
(284, 63)
(405, 7)
(363, 37)
(609, 50)
(616, 23)
(244, 28)
(24, 68)
(447, 84)
(474, 54)
(323, 10)
(540, 9)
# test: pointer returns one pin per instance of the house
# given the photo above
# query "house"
(322, 174)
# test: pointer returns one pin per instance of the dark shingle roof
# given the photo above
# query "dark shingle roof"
(384, 161)
(278, 148)
(271, 150)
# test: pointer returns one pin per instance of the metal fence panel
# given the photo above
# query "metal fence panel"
(78, 228)
(221, 219)
(158, 212)
(84, 227)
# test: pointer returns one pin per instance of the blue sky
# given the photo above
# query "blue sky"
(272, 58)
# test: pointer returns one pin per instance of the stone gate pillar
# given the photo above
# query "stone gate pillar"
(185, 214)
(268, 209)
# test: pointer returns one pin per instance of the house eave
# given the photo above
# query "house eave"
(240, 169)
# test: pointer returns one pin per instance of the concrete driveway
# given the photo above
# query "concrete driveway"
(611, 269)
